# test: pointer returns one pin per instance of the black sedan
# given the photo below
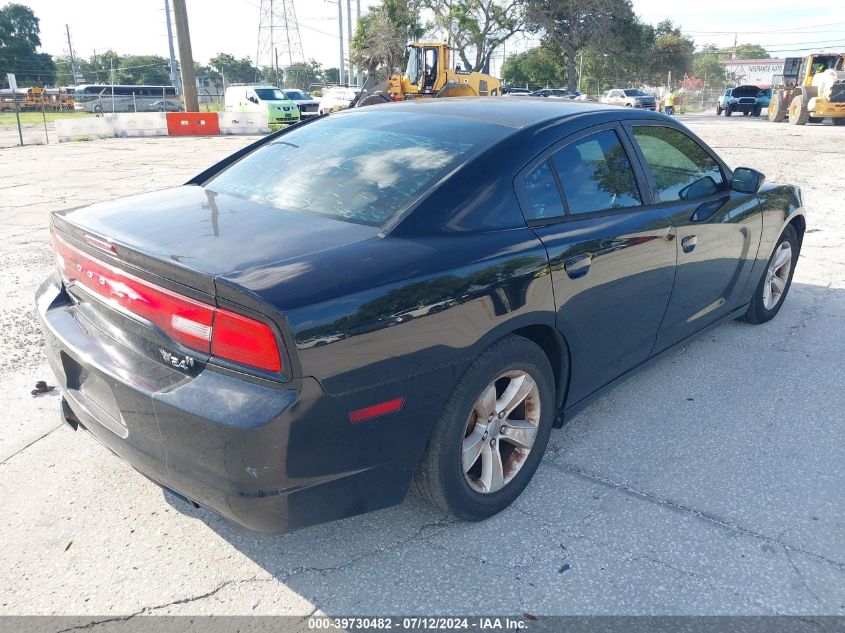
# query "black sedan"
(411, 294)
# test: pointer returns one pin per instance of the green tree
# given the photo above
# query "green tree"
(671, 52)
(706, 65)
(477, 28)
(143, 69)
(379, 42)
(303, 74)
(224, 65)
(381, 36)
(749, 51)
(573, 25)
(19, 39)
(331, 76)
(537, 67)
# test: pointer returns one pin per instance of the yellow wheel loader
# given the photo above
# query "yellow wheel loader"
(428, 75)
(812, 89)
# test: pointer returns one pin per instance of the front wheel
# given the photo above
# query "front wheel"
(490, 437)
(728, 111)
(718, 110)
(776, 280)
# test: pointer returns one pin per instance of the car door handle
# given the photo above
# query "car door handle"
(578, 266)
(688, 243)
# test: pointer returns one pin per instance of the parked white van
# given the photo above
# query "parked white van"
(266, 99)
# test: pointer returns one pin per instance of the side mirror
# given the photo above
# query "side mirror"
(747, 180)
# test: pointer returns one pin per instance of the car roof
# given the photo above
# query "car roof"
(527, 112)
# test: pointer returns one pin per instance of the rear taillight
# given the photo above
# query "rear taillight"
(197, 325)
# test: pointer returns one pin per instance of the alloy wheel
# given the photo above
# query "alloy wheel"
(777, 276)
(500, 431)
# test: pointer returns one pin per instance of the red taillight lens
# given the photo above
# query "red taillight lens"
(244, 340)
(192, 323)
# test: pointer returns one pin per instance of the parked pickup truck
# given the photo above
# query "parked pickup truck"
(740, 99)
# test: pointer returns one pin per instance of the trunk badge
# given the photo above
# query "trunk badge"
(184, 363)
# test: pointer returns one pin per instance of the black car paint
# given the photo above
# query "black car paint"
(367, 315)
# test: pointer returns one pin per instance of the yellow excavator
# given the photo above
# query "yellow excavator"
(812, 89)
(428, 75)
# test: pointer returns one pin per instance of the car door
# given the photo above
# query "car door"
(611, 257)
(718, 229)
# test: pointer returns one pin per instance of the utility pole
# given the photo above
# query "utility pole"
(349, 77)
(72, 56)
(186, 57)
(357, 22)
(340, 37)
(733, 54)
(174, 77)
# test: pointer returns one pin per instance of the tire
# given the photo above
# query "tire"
(758, 110)
(746, 112)
(798, 112)
(440, 477)
(729, 111)
(761, 309)
(777, 107)
(838, 120)
(718, 110)
(98, 109)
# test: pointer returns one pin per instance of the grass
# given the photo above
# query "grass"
(28, 118)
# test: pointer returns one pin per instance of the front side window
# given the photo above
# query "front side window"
(596, 175)
(682, 169)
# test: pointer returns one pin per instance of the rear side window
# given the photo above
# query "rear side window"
(542, 194)
(596, 175)
(682, 169)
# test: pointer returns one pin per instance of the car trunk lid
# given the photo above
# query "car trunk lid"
(190, 235)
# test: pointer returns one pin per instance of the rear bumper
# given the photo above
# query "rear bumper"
(271, 458)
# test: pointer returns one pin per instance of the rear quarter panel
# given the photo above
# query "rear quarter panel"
(392, 307)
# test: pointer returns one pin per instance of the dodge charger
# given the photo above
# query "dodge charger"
(404, 296)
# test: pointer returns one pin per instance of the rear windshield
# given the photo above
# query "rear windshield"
(363, 167)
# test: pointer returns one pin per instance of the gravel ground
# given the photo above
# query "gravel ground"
(711, 483)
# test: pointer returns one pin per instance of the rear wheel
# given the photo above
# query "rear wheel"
(798, 112)
(776, 280)
(490, 437)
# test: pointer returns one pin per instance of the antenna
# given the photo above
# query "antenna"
(278, 38)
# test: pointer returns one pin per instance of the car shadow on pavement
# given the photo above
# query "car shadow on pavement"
(414, 559)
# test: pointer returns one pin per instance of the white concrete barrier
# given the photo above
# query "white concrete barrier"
(243, 123)
(83, 129)
(138, 124)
